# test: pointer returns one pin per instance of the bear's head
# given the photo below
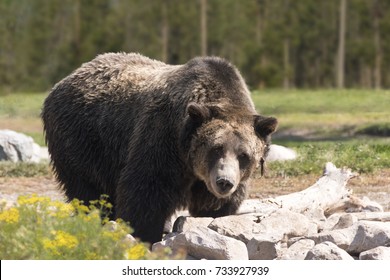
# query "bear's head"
(227, 144)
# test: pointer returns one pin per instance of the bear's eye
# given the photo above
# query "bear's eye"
(243, 159)
(217, 151)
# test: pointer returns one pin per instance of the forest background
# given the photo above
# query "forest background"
(274, 43)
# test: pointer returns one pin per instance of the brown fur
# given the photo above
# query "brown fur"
(145, 133)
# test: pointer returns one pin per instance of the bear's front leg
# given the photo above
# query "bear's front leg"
(146, 210)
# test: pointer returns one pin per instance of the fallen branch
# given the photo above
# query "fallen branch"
(329, 193)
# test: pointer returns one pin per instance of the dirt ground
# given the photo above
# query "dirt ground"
(375, 186)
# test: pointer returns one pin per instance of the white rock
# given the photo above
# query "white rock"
(263, 207)
(341, 237)
(331, 221)
(360, 237)
(241, 227)
(263, 247)
(327, 251)
(370, 235)
(16, 147)
(284, 224)
(205, 243)
(317, 216)
(345, 221)
(183, 224)
(277, 152)
(373, 216)
(298, 250)
(378, 253)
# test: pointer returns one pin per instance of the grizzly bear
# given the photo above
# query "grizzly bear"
(155, 137)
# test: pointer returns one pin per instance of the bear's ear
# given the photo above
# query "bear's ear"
(197, 112)
(264, 126)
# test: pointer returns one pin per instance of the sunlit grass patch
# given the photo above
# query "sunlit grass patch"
(361, 155)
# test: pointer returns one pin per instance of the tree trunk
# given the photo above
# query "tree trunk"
(329, 193)
(203, 27)
(77, 30)
(341, 48)
(164, 32)
(286, 63)
(378, 48)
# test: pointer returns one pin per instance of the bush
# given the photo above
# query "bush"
(39, 228)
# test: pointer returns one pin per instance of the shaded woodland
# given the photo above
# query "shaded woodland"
(274, 43)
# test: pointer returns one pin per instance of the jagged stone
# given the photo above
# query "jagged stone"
(298, 250)
(345, 221)
(205, 243)
(341, 237)
(370, 235)
(373, 216)
(284, 224)
(241, 227)
(377, 253)
(263, 247)
(187, 223)
(327, 251)
(16, 147)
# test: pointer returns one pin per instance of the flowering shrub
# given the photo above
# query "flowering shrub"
(39, 228)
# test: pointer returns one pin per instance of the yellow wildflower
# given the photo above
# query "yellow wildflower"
(61, 209)
(136, 252)
(62, 240)
(114, 235)
(92, 256)
(31, 199)
(10, 216)
(83, 208)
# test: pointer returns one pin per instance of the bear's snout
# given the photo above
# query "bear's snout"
(224, 177)
(224, 184)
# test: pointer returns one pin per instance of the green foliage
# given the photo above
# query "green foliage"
(361, 155)
(39, 228)
(22, 105)
(322, 101)
(43, 41)
(24, 169)
(325, 112)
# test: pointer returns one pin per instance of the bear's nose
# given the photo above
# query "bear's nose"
(224, 184)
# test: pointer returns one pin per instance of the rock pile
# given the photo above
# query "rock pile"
(323, 222)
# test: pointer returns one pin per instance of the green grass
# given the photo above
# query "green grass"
(341, 116)
(325, 111)
(322, 101)
(21, 112)
(24, 169)
(21, 105)
(361, 155)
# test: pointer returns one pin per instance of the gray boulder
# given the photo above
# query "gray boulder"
(370, 235)
(277, 152)
(16, 147)
(263, 247)
(378, 253)
(298, 250)
(327, 251)
(204, 243)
